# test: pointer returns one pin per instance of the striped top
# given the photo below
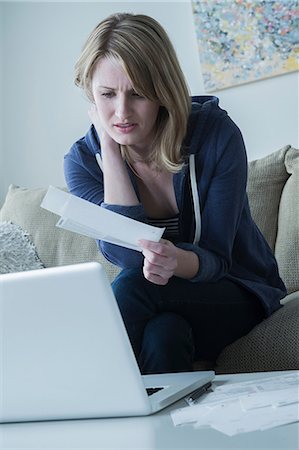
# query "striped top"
(171, 227)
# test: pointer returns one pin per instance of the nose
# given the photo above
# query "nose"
(123, 108)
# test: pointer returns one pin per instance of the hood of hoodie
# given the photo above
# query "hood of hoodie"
(205, 111)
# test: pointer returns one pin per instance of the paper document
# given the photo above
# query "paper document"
(235, 408)
(83, 217)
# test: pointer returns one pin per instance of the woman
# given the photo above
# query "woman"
(160, 157)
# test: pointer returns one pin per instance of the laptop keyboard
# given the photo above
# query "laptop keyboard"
(151, 391)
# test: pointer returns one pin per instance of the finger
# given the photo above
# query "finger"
(154, 259)
(159, 270)
(155, 278)
(160, 247)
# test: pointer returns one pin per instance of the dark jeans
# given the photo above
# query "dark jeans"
(171, 326)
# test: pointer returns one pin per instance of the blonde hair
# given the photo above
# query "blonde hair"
(143, 48)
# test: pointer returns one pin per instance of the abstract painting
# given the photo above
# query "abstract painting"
(241, 41)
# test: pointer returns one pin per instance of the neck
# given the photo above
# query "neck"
(138, 155)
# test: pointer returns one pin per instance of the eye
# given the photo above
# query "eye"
(107, 94)
(134, 94)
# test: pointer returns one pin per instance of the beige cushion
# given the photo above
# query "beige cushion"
(266, 179)
(55, 246)
(287, 241)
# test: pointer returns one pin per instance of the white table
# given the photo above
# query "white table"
(154, 432)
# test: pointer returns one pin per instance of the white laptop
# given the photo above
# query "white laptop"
(65, 353)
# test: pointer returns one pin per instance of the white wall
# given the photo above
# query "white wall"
(43, 113)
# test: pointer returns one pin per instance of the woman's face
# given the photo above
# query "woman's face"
(128, 118)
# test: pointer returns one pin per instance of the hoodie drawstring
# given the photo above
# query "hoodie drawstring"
(195, 198)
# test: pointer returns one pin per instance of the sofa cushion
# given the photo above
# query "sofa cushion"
(55, 246)
(264, 347)
(266, 179)
(287, 241)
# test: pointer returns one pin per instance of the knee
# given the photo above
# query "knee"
(134, 294)
(127, 279)
(167, 345)
(126, 284)
(166, 329)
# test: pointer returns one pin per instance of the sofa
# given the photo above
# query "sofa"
(273, 190)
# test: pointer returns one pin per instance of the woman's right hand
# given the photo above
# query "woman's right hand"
(118, 190)
(106, 140)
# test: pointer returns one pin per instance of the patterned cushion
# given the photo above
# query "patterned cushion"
(17, 251)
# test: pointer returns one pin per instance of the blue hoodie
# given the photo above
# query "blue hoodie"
(231, 245)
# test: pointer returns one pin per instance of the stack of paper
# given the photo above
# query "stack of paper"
(247, 406)
(83, 217)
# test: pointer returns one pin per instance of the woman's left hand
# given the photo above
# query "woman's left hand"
(160, 260)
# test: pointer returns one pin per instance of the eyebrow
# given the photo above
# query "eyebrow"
(107, 87)
(114, 89)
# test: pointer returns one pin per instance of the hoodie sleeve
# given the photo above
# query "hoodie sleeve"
(221, 178)
(84, 179)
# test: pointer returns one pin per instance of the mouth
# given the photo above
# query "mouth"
(125, 127)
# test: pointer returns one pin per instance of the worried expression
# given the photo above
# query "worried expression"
(127, 117)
